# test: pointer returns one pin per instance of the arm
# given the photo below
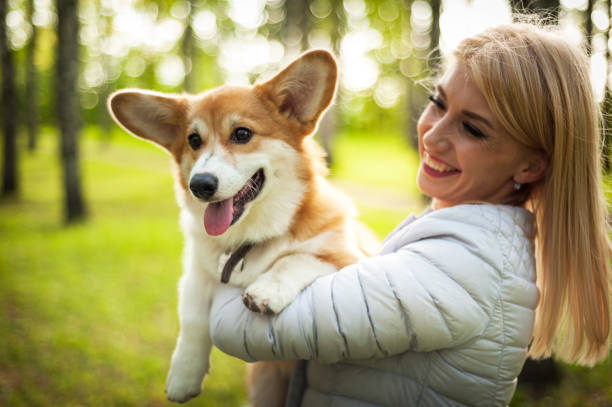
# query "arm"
(379, 307)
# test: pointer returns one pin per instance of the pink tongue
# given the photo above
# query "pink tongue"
(218, 217)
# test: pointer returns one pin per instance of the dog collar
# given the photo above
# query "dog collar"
(233, 261)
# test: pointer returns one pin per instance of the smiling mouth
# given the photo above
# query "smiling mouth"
(436, 168)
(220, 215)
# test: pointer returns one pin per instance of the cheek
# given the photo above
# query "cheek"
(473, 162)
(495, 164)
(181, 165)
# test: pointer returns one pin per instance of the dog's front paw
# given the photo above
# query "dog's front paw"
(253, 303)
(184, 382)
(268, 296)
(181, 388)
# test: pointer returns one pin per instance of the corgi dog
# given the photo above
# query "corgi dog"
(255, 207)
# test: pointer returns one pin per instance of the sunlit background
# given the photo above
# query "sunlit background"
(88, 302)
(239, 40)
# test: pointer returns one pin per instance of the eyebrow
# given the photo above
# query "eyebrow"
(467, 113)
(199, 126)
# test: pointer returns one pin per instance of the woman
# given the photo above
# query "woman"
(448, 311)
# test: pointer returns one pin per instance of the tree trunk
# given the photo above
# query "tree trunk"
(104, 120)
(68, 110)
(297, 25)
(434, 35)
(31, 102)
(104, 28)
(188, 45)
(9, 107)
(539, 374)
(416, 96)
(329, 123)
(588, 27)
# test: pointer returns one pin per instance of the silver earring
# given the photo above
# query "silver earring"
(517, 186)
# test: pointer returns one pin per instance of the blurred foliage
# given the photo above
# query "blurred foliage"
(383, 47)
(139, 43)
(89, 311)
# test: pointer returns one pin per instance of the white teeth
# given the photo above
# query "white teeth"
(436, 165)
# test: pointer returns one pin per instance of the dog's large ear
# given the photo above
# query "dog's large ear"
(304, 89)
(153, 116)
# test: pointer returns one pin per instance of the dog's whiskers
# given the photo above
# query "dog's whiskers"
(252, 186)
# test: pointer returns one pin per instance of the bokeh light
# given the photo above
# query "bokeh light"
(244, 39)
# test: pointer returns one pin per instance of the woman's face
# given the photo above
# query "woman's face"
(465, 153)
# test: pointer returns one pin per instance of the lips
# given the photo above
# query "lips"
(220, 215)
(436, 167)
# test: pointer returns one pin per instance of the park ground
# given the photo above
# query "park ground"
(88, 311)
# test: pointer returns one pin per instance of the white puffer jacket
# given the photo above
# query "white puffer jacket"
(441, 317)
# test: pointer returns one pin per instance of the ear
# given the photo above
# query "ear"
(304, 89)
(533, 169)
(149, 115)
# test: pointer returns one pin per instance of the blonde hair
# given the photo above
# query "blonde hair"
(537, 85)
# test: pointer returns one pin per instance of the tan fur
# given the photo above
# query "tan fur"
(268, 382)
(313, 221)
(317, 215)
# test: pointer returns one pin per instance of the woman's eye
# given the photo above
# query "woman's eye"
(474, 131)
(436, 101)
(195, 141)
(241, 135)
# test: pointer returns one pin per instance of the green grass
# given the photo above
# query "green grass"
(380, 160)
(89, 311)
(380, 171)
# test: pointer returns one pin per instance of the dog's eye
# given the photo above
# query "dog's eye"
(194, 141)
(241, 135)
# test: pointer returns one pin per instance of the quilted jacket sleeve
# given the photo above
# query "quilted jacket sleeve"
(430, 294)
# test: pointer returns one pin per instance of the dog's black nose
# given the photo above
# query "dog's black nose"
(204, 185)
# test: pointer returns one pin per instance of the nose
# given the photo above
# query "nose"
(204, 186)
(436, 134)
